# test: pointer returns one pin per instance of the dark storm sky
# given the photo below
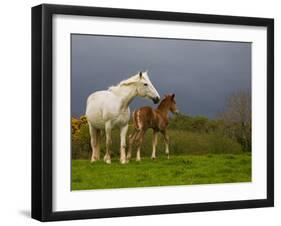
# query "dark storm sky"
(201, 73)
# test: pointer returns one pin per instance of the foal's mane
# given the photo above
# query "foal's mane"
(163, 103)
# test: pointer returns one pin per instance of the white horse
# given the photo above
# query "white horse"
(109, 108)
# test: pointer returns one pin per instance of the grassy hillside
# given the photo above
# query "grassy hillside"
(178, 170)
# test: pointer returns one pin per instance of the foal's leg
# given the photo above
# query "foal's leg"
(154, 144)
(166, 139)
(94, 133)
(140, 136)
(123, 133)
(107, 158)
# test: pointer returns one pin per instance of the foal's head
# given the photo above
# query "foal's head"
(169, 103)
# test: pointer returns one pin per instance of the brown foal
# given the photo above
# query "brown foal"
(157, 119)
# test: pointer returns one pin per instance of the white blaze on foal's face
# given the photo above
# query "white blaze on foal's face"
(146, 89)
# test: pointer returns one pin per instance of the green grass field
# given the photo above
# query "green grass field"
(178, 170)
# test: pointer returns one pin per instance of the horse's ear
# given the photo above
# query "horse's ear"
(140, 74)
(173, 96)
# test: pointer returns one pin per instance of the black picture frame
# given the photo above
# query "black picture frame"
(42, 111)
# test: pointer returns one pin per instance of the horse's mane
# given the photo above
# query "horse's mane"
(124, 82)
(111, 88)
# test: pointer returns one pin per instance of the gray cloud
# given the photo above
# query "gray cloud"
(201, 73)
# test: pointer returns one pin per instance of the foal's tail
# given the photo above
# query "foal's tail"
(135, 122)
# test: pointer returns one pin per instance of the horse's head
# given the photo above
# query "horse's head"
(145, 88)
(171, 103)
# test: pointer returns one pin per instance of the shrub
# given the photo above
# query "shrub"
(181, 142)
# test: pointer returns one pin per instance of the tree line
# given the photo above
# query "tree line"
(231, 130)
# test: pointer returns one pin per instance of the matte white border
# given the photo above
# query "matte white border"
(65, 199)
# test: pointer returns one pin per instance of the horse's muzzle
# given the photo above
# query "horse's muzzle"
(155, 100)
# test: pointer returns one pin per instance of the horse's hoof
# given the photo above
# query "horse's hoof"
(123, 161)
(153, 158)
(138, 160)
(108, 161)
(93, 160)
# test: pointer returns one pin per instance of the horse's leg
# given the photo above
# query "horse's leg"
(132, 138)
(123, 133)
(98, 136)
(140, 139)
(166, 139)
(154, 144)
(94, 143)
(107, 158)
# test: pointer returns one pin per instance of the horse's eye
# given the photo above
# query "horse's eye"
(145, 84)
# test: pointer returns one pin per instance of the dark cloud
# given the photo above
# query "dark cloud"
(201, 73)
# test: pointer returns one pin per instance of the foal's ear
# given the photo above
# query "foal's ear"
(140, 74)
(173, 96)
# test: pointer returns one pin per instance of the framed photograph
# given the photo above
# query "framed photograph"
(140, 112)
